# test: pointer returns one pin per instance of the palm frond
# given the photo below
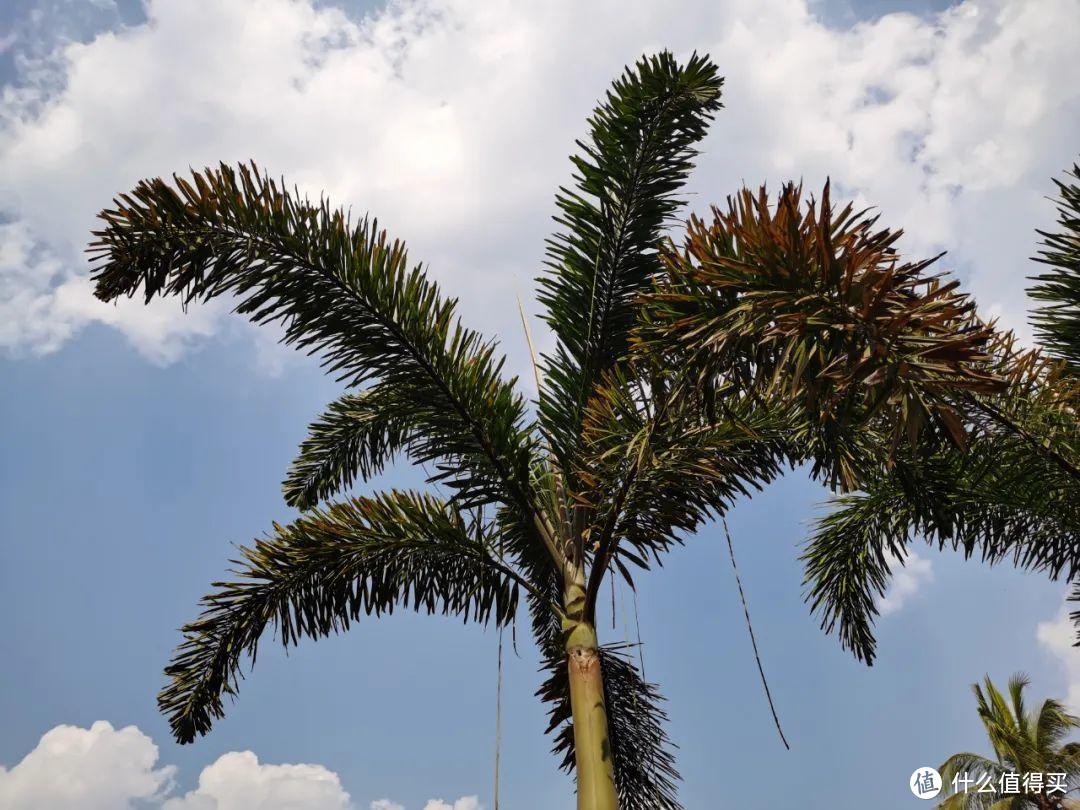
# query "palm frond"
(972, 764)
(1039, 406)
(998, 499)
(1057, 321)
(355, 438)
(979, 768)
(319, 574)
(1053, 724)
(1006, 731)
(816, 305)
(655, 466)
(1017, 684)
(339, 288)
(639, 153)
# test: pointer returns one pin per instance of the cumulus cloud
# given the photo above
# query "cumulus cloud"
(451, 120)
(1057, 638)
(909, 574)
(103, 768)
(237, 781)
(99, 768)
(464, 803)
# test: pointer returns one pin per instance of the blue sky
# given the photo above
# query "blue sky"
(139, 449)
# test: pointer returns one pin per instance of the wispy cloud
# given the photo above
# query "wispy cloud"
(908, 576)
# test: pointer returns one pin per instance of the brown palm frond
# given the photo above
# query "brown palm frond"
(816, 305)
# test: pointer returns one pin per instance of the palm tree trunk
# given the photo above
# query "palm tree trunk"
(592, 749)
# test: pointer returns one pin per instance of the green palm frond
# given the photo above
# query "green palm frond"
(815, 305)
(655, 466)
(998, 499)
(639, 153)
(339, 288)
(1057, 321)
(970, 763)
(1005, 730)
(1017, 684)
(1052, 725)
(355, 438)
(315, 576)
(975, 767)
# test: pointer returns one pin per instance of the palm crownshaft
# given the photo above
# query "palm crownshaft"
(682, 378)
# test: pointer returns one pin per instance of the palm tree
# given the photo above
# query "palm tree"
(1024, 742)
(683, 378)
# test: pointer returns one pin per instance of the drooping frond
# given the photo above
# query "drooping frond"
(816, 306)
(338, 288)
(639, 153)
(1057, 321)
(645, 774)
(998, 499)
(355, 438)
(849, 562)
(319, 574)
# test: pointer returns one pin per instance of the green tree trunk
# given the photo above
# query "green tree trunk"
(594, 766)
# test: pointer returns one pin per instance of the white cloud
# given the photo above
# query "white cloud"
(464, 803)
(908, 576)
(44, 302)
(1057, 637)
(99, 768)
(102, 768)
(451, 120)
(236, 781)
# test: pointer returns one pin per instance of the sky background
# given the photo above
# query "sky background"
(140, 446)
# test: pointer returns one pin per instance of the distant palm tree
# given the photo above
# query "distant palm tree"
(682, 378)
(1024, 742)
